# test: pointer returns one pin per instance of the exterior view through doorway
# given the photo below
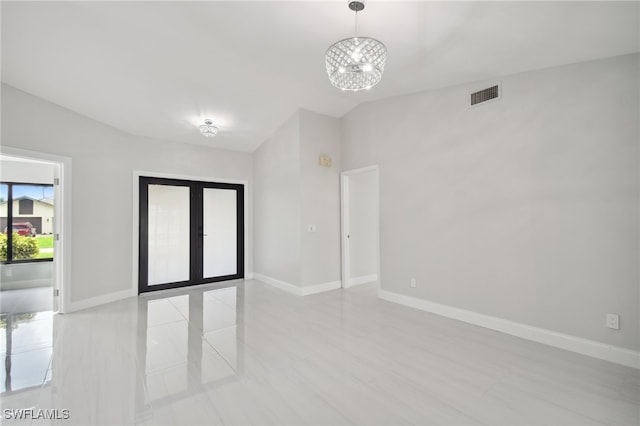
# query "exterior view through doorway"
(191, 233)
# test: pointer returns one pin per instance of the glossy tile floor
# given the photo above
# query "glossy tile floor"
(251, 354)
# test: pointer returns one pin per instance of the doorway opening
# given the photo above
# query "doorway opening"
(33, 196)
(190, 233)
(360, 226)
(33, 263)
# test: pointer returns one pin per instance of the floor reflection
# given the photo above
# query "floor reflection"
(145, 355)
(26, 339)
(187, 344)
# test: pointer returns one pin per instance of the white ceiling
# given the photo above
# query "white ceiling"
(157, 69)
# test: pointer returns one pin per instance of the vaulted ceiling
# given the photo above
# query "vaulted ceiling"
(158, 69)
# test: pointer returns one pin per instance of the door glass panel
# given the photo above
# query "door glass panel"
(169, 220)
(220, 232)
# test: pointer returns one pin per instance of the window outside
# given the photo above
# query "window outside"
(31, 218)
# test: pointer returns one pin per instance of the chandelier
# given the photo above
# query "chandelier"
(356, 63)
(208, 129)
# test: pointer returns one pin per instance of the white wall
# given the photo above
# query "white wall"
(277, 242)
(525, 208)
(25, 171)
(363, 205)
(104, 159)
(320, 196)
(19, 276)
(292, 191)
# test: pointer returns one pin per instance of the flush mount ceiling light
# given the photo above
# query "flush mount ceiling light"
(356, 63)
(208, 129)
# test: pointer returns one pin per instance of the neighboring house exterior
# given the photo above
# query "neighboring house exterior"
(27, 209)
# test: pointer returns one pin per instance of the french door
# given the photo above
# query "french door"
(190, 233)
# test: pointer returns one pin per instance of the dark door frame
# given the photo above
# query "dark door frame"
(196, 234)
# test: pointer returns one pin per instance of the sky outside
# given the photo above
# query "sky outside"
(36, 192)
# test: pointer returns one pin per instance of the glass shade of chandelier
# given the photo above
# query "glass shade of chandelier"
(356, 63)
(208, 129)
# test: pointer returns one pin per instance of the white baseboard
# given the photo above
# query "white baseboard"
(568, 342)
(100, 300)
(363, 279)
(294, 289)
(289, 288)
(320, 288)
(248, 276)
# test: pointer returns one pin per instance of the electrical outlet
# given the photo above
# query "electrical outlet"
(412, 283)
(613, 321)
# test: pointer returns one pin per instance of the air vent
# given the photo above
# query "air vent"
(485, 95)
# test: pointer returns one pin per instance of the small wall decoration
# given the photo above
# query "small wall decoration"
(325, 161)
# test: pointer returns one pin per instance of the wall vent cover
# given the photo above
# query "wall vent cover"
(485, 95)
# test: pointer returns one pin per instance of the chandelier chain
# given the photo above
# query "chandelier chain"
(356, 25)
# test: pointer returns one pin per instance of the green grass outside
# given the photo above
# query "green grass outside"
(45, 241)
